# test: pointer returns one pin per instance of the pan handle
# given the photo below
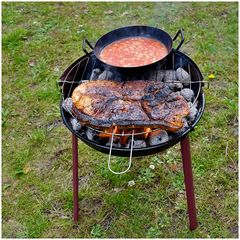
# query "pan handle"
(180, 31)
(84, 42)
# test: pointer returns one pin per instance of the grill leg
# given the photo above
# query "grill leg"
(75, 177)
(188, 179)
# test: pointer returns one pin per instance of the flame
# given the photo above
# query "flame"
(154, 133)
(124, 138)
(146, 130)
(107, 133)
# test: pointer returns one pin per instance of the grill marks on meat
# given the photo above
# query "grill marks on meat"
(105, 103)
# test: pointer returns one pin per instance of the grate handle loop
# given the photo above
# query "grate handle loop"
(130, 157)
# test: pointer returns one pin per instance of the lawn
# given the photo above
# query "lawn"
(39, 41)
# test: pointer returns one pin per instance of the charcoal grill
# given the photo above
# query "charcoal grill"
(82, 69)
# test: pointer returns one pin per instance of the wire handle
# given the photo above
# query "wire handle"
(180, 32)
(130, 157)
(84, 43)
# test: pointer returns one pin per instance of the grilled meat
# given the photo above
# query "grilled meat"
(105, 103)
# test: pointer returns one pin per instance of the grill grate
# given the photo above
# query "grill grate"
(81, 71)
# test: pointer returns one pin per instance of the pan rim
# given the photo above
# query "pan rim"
(97, 53)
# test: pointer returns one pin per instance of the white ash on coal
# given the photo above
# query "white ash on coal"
(170, 78)
(183, 76)
(170, 75)
(158, 137)
(139, 144)
(114, 144)
(67, 104)
(160, 75)
(188, 94)
(95, 74)
(193, 112)
(195, 104)
(90, 134)
(105, 75)
(156, 75)
(126, 145)
(75, 124)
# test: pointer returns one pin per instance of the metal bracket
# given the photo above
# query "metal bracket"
(180, 31)
(84, 42)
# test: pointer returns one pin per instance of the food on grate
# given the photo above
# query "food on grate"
(133, 52)
(106, 103)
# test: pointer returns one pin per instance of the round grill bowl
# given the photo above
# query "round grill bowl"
(177, 137)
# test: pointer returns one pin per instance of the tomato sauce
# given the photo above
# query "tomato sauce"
(133, 52)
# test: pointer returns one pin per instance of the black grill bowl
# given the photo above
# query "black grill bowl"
(195, 76)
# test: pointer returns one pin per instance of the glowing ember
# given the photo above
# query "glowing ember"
(146, 130)
(123, 135)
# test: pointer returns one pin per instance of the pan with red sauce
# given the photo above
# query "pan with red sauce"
(133, 52)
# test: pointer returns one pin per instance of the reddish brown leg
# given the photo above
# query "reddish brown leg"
(188, 179)
(75, 177)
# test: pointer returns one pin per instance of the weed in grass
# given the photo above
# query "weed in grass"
(14, 39)
(14, 229)
(97, 231)
(154, 232)
(146, 175)
(157, 160)
(37, 136)
(21, 159)
(5, 114)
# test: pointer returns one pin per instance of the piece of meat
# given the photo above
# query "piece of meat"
(106, 103)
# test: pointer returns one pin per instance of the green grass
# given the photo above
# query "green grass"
(39, 41)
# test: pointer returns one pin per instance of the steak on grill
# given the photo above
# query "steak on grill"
(130, 104)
